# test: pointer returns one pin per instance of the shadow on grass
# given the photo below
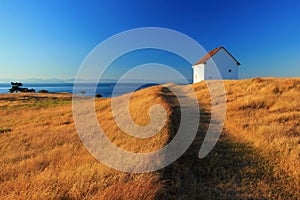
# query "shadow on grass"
(232, 170)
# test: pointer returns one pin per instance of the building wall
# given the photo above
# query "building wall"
(198, 73)
(228, 68)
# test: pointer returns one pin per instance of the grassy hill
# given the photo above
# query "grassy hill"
(257, 156)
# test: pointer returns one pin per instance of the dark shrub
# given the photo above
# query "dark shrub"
(98, 96)
(4, 130)
(43, 91)
(31, 90)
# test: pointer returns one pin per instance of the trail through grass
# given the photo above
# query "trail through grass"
(256, 157)
(233, 170)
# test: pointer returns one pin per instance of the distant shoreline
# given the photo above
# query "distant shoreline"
(86, 89)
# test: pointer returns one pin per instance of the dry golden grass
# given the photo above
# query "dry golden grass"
(263, 115)
(139, 105)
(257, 156)
(42, 156)
(266, 112)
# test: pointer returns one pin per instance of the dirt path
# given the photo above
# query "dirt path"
(233, 170)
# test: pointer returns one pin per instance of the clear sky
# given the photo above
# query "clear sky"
(50, 39)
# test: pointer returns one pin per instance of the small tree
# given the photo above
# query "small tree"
(15, 87)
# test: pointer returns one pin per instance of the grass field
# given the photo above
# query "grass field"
(257, 156)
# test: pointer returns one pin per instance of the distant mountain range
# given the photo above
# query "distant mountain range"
(49, 80)
(31, 80)
(71, 80)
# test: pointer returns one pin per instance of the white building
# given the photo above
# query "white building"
(216, 60)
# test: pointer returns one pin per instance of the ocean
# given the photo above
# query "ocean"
(105, 89)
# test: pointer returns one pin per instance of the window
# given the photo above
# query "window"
(229, 70)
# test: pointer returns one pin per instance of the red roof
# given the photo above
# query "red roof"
(210, 54)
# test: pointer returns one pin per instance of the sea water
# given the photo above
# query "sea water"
(105, 89)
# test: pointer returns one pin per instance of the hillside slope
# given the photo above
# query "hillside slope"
(257, 156)
(42, 156)
(258, 153)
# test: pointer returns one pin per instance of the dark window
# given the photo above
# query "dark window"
(229, 70)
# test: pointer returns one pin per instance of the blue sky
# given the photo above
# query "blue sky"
(50, 39)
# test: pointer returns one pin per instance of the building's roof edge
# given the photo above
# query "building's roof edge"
(210, 54)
